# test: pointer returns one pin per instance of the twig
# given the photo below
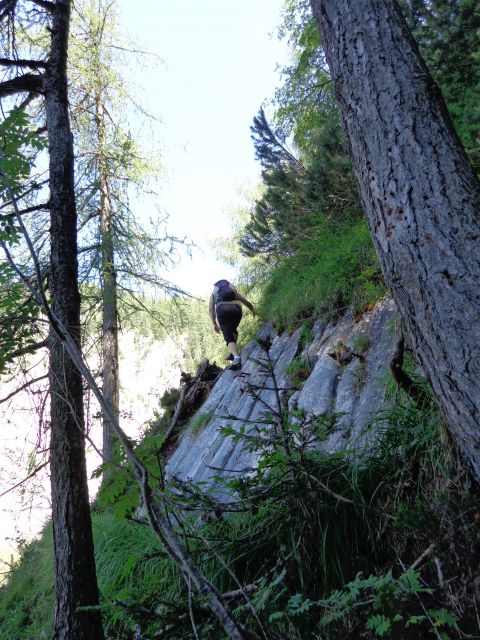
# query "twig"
(421, 557)
(190, 608)
(23, 387)
(30, 475)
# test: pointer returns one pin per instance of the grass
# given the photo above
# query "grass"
(337, 269)
(26, 601)
(320, 564)
(298, 371)
(199, 421)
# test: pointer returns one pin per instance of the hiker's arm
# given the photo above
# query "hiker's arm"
(246, 302)
(211, 311)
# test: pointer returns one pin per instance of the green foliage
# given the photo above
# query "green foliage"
(373, 603)
(298, 371)
(448, 33)
(361, 343)
(18, 311)
(19, 144)
(325, 276)
(305, 97)
(26, 601)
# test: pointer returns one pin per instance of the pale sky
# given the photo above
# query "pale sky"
(220, 63)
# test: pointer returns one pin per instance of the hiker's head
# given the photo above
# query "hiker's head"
(221, 283)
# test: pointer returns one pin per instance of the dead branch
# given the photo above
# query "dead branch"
(26, 83)
(33, 64)
(29, 349)
(193, 393)
(30, 475)
(22, 388)
(38, 207)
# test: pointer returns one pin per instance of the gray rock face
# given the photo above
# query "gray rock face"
(350, 386)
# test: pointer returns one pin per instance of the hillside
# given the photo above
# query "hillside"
(317, 496)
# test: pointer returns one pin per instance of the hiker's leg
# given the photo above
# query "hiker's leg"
(229, 318)
(232, 347)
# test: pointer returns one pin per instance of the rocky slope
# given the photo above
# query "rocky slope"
(349, 361)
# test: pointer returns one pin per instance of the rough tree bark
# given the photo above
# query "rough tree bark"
(420, 195)
(75, 578)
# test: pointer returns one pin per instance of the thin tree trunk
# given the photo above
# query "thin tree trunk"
(420, 195)
(109, 291)
(75, 578)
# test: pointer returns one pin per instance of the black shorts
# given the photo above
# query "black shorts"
(229, 316)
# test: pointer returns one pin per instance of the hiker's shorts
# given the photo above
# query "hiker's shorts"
(229, 316)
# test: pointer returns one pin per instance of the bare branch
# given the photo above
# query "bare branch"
(22, 388)
(30, 475)
(33, 64)
(92, 247)
(45, 4)
(27, 83)
(38, 207)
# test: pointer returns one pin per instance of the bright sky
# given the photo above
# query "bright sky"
(221, 61)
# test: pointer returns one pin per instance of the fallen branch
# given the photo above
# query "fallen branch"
(160, 523)
(192, 394)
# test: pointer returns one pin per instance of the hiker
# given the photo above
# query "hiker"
(225, 306)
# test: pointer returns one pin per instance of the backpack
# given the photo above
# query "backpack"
(224, 292)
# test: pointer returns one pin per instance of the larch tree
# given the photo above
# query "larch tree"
(75, 575)
(118, 254)
(419, 193)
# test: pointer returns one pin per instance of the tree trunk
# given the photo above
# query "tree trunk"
(75, 578)
(109, 290)
(420, 195)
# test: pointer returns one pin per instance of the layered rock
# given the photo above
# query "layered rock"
(349, 359)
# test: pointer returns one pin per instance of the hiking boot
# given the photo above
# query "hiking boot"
(237, 363)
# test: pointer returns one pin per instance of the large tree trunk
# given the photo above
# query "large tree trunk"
(75, 577)
(420, 195)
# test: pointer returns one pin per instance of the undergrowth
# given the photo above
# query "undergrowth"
(371, 544)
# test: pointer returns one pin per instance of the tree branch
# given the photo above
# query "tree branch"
(38, 207)
(22, 388)
(45, 4)
(29, 349)
(30, 475)
(33, 64)
(27, 83)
